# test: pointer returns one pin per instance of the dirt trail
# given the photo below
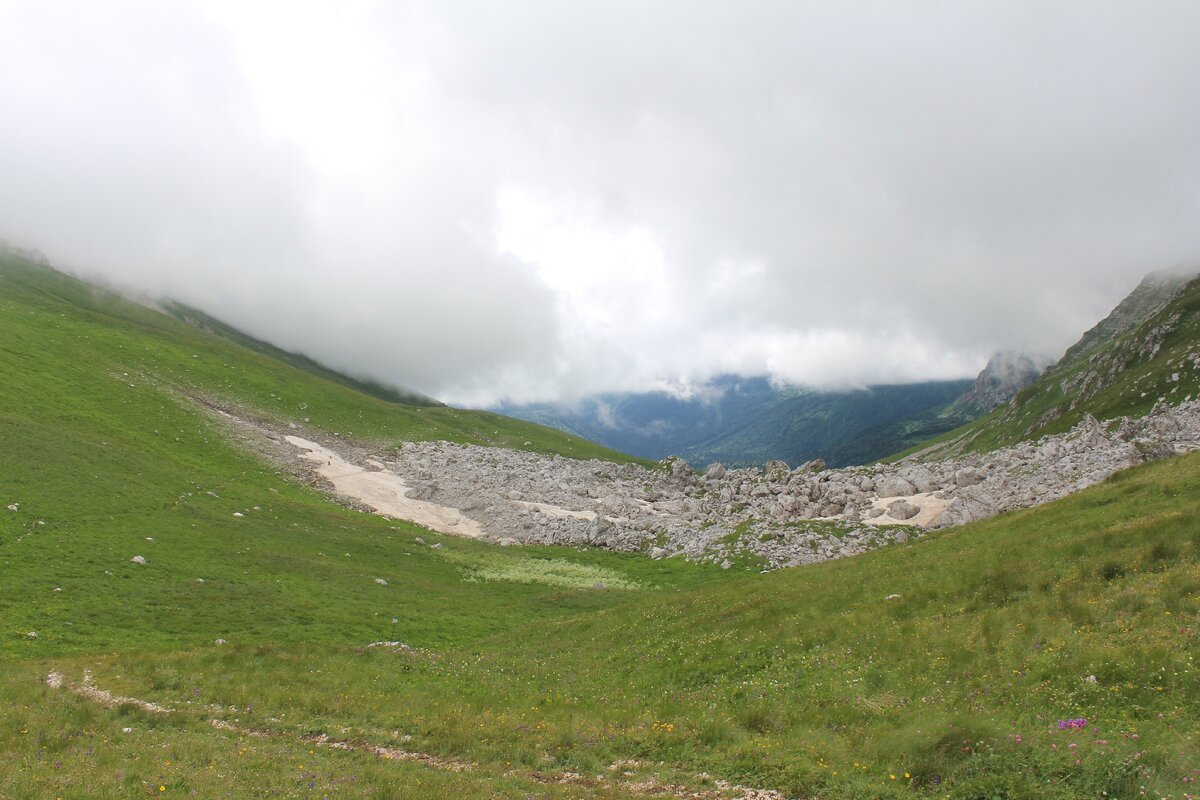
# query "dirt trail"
(645, 787)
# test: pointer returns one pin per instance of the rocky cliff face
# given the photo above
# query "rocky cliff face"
(1006, 374)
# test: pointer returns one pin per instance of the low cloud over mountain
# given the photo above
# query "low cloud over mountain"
(540, 200)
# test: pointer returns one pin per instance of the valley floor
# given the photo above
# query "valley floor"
(762, 519)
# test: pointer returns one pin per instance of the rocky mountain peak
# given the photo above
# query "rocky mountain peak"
(1147, 299)
(1006, 373)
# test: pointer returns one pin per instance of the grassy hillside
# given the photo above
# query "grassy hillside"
(525, 678)
(89, 338)
(213, 325)
(1112, 371)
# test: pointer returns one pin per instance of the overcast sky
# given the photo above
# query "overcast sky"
(540, 200)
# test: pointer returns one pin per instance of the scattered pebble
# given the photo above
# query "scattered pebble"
(139, 560)
(220, 641)
(381, 581)
(238, 514)
(14, 506)
(31, 635)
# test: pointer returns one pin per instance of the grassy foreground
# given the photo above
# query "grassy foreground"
(523, 677)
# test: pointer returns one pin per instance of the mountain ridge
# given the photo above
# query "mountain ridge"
(1145, 351)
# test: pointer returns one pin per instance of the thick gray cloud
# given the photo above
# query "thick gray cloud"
(542, 199)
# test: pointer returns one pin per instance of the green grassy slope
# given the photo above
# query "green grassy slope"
(211, 324)
(83, 334)
(807, 681)
(1105, 374)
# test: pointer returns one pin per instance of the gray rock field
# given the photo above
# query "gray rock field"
(773, 516)
(769, 517)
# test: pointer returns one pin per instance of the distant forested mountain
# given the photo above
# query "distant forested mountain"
(742, 421)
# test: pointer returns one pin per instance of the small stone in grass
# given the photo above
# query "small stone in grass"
(238, 514)
(139, 560)
(14, 507)
(31, 635)
(381, 581)
(220, 641)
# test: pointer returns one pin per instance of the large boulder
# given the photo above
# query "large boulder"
(680, 469)
(894, 486)
(902, 509)
(967, 476)
(921, 478)
(971, 504)
(599, 530)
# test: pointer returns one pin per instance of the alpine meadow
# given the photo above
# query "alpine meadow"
(269, 642)
(599, 400)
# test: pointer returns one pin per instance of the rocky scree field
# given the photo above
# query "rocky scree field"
(756, 518)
